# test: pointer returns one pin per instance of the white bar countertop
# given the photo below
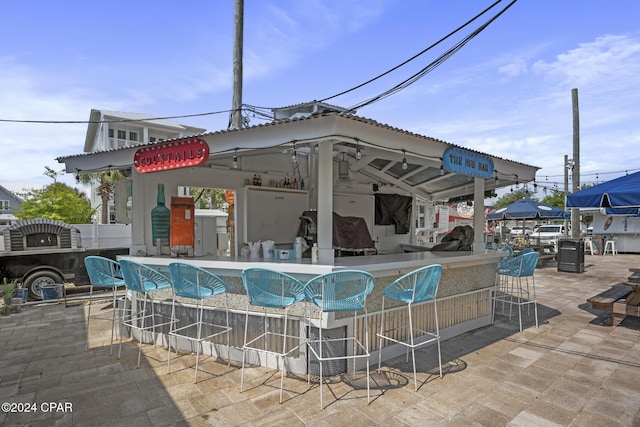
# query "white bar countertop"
(378, 265)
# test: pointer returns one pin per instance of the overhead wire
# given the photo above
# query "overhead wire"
(441, 59)
(414, 56)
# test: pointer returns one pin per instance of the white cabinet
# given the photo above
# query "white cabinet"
(273, 213)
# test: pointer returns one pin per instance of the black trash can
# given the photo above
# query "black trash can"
(570, 255)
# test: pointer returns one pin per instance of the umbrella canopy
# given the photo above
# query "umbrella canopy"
(623, 192)
(528, 209)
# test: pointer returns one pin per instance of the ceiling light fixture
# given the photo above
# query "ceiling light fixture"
(343, 181)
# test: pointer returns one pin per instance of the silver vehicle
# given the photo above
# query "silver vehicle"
(548, 234)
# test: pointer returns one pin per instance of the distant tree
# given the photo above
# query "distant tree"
(513, 196)
(56, 201)
(208, 198)
(555, 199)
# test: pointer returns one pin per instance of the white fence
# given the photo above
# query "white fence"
(104, 236)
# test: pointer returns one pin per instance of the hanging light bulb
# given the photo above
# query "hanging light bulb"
(441, 169)
(235, 159)
(294, 155)
(358, 152)
(404, 159)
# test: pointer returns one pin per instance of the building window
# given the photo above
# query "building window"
(152, 139)
(110, 133)
(133, 136)
(4, 204)
(122, 134)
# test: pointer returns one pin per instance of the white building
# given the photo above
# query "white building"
(110, 130)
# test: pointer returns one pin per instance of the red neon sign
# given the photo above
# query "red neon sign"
(171, 155)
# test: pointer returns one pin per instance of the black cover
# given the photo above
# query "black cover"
(350, 233)
(394, 209)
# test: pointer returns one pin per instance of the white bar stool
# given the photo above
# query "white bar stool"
(589, 246)
(610, 245)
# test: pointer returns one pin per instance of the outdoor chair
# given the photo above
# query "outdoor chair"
(196, 284)
(270, 289)
(590, 246)
(141, 281)
(418, 286)
(512, 290)
(103, 273)
(340, 291)
(610, 246)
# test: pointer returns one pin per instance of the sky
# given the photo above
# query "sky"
(507, 92)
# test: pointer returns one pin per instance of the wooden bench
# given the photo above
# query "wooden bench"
(545, 257)
(605, 300)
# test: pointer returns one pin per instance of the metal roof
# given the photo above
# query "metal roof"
(382, 147)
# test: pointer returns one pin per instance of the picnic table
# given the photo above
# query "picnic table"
(620, 300)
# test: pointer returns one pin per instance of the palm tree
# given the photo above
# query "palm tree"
(105, 181)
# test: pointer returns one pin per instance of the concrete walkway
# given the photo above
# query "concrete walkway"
(571, 371)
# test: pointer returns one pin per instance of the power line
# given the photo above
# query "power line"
(112, 121)
(414, 56)
(441, 59)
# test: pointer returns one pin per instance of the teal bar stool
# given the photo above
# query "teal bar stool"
(518, 286)
(104, 273)
(142, 281)
(418, 286)
(196, 284)
(270, 289)
(340, 291)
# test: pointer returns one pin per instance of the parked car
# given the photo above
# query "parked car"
(548, 234)
(519, 231)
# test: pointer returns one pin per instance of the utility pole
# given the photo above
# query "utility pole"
(575, 176)
(566, 191)
(236, 103)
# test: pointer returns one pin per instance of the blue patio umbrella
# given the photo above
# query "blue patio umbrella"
(623, 192)
(527, 209)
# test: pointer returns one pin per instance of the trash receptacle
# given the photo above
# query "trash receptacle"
(570, 255)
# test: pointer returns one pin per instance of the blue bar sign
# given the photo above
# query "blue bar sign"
(469, 163)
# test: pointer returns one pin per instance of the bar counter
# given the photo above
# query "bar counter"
(463, 298)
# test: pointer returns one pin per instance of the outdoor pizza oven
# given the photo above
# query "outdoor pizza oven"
(41, 233)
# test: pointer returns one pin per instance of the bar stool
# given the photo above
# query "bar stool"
(276, 290)
(195, 283)
(610, 245)
(142, 280)
(103, 273)
(589, 246)
(514, 270)
(340, 291)
(418, 286)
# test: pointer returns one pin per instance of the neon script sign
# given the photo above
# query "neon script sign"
(171, 155)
